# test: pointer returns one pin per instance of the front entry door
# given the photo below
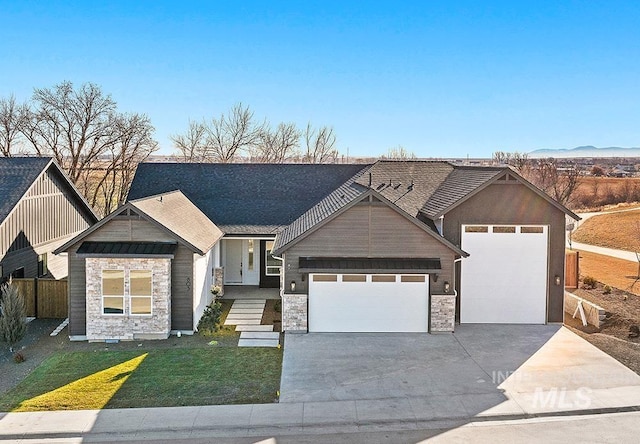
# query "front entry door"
(233, 266)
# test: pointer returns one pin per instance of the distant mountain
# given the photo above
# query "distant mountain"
(587, 151)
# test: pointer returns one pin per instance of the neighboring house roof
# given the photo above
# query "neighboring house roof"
(18, 174)
(172, 212)
(244, 198)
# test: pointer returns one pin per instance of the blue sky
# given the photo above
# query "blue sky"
(441, 78)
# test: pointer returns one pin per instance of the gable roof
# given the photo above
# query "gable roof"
(244, 198)
(18, 174)
(332, 208)
(417, 187)
(172, 212)
(177, 213)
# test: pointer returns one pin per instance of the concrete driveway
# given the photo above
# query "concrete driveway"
(514, 367)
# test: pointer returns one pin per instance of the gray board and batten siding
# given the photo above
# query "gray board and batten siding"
(369, 230)
(40, 210)
(133, 228)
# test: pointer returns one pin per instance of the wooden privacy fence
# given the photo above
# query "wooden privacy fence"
(44, 298)
(571, 269)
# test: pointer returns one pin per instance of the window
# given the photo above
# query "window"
(325, 278)
(113, 291)
(43, 269)
(504, 229)
(531, 230)
(412, 278)
(476, 229)
(383, 278)
(250, 255)
(272, 265)
(354, 278)
(140, 291)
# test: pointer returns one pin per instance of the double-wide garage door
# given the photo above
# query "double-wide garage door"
(368, 302)
(504, 280)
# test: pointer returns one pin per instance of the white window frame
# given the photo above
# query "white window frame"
(150, 297)
(267, 253)
(102, 295)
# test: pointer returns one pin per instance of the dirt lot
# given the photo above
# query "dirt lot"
(622, 307)
(615, 272)
(615, 230)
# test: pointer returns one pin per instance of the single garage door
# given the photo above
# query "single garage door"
(504, 280)
(368, 302)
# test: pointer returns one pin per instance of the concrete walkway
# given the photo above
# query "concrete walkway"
(246, 315)
(585, 381)
(620, 254)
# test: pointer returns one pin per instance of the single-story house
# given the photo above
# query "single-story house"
(394, 246)
(40, 209)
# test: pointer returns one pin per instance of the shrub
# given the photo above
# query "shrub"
(606, 290)
(589, 282)
(19, 358)
(210, 321)
(12, 315)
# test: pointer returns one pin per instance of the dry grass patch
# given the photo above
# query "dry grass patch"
(609, 270)
(616, 230)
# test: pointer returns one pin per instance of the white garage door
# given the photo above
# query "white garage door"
(504, 280)
(368, 303)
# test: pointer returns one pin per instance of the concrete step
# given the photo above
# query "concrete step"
(258, 343)
(242, 322)
(250, 302)
(246, 310)
(244, 316)
(259, 335)
(254, 327)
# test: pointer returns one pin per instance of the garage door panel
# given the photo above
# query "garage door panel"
(368, 306)
(504, 280)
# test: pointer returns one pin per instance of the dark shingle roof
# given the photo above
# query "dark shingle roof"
(394, 180)
(236, 195)
(460, 183)
(16, 176)
(410, 185)
(127, 248)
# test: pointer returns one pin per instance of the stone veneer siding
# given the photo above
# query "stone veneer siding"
(218, 279)
(443, 313)
(101, 327)
(294, 313)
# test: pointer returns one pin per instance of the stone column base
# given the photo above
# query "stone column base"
(443, 313)
(294, 313)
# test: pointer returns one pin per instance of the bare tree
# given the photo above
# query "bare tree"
(12, 117)
(319, 144)
(98, 147)
(191, 144)
(134, 144)
(276, 146)
(399, 153)
(559, 183)
(75, 126)
(230, 135)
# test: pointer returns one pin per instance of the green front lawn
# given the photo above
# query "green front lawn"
(149, 378)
